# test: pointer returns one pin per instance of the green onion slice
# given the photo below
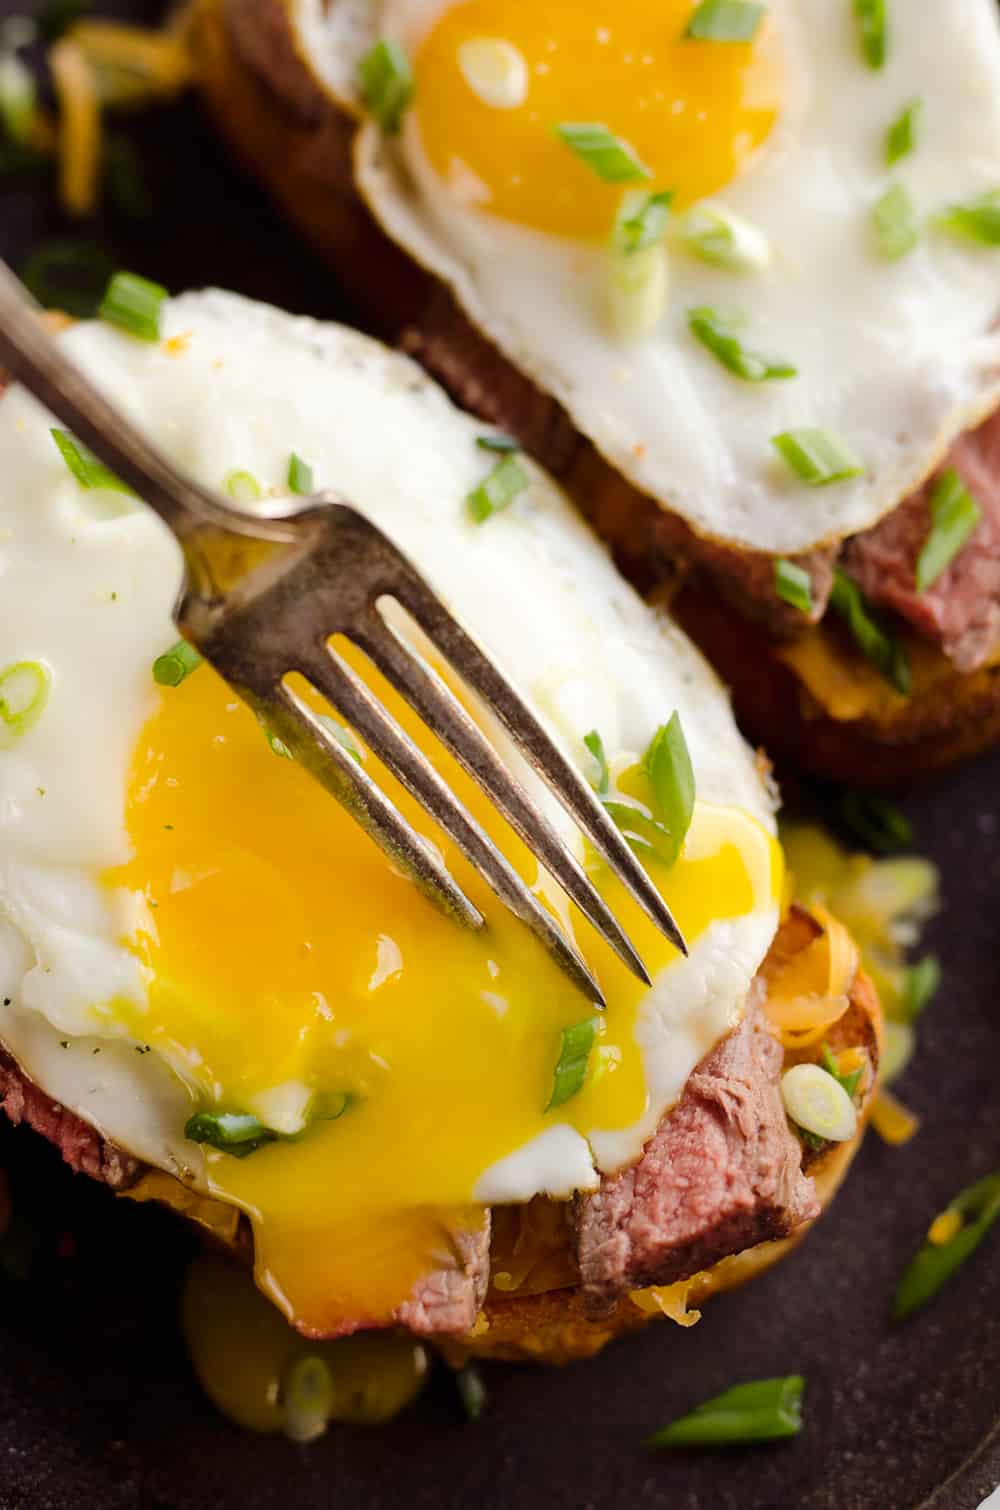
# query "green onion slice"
(307, 1395)
(637, 291)
(498, 489)
(717, 332)
(817, 457)
(237, 1133)
(24, 691)
(647, 836)
(501, 444)
(641, 221)
(894, 223)
(471, 1391)
(300, 476)
(170, 668)
(387, 85)
(849, 1082)
(954, 516)
(68, 275)
(84, 465)
(877, 822)
(874, 641)
(134, 304)
(919, 986)
(18, 95)
(571, 1067)
(604, 153)
(903, 135)
(763, 1411)
(242, 486)
(979, 220)
(793, 584)
(595, 744)
(717, 235)
(725, 21)
(978, 1208)
(873, 30)
(671, 778)
(817, 1102)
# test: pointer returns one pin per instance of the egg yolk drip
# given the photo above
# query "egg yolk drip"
(693, 111)
(286, 959)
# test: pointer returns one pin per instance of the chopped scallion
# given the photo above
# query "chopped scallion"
(300, 476)
(576, 1043)
(817, 457)
(387, 84)
(641, 220)
(920, 984)
(954, 516)
(637, 289)
(793, 584)
(817, 1102)
(170, 668)
(237, 1133)
(135, 305)
(24, 691)
(595, 744)
(501, 444)
(605, 154)
(242, 486)
(471, 1391)
(894, 223)
(725, 21)
(849, 1081)
(717, 333)
(717, 235)
(18, 93)
(976, 1208)
(671, 778)
(873, 30)
(872, 638)
(979, 220)
(84, 465)
(307, 1395)
(763, 1411)
(68, 275)
(876, 821)
(902, 136)
(499, 488)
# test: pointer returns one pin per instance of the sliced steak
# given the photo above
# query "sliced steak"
(448, 1301)
(721, 1173)
(80, 1144)
(961, 610)
(654, 544)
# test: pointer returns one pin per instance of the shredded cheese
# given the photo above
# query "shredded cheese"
(891, 1120)
(670, 1300)
(79, 128)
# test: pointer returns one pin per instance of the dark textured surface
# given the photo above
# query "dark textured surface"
(98, 1407)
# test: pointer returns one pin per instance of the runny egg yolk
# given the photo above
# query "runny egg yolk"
(693, 111)
(285, 959)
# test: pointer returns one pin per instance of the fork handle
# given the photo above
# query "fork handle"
(29, 354)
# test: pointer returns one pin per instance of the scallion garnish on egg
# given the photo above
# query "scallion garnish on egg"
(793, 584)
(170, 668)
(605, 154)
(978, 220)
(873, 31)
(24, 692)
(641, 221)
(237, 1133)
(242, 487)
(765, 1410)
(386, 80)
(952, 1238)
(671, 778)
(501, 444)
(84, 465)
(894, 223)
(817, 456)
(134, 304)
(954, 516)
(873, 639)
(300, 476)
(576, 1043)
(902, 136)
(725, 21)
(595, 744)
(717, 235)
(499, 488)
(717, 333)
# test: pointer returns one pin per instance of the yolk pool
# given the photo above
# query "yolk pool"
(694, 111)
(284, 955)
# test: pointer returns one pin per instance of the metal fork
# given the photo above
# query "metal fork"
(262, 597)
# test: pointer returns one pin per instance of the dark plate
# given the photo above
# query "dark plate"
(98, 1407)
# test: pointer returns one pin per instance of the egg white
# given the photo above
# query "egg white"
(89, 581)
(897, 358)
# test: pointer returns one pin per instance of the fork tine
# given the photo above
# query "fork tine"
(353, 701)
(313, 745)
(565, 781)
(443, 713)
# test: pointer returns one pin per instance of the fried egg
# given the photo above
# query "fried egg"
(894, 356)
(189, 923)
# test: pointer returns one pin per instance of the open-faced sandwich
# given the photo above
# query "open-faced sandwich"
(729, 270)
(217, 992)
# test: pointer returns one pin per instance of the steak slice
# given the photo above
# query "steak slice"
(447, 1302)
(961, 610)
(81, 1145)
(722, 1172)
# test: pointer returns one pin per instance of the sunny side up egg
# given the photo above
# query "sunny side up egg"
(188, 923)
(879, 324)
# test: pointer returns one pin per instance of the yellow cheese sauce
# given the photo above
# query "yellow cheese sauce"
(285, 958)
(693, 111)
